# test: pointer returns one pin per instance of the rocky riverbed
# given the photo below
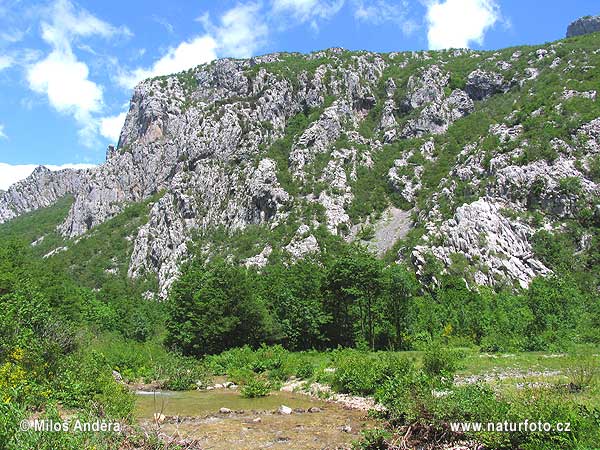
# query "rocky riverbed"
(222, 419)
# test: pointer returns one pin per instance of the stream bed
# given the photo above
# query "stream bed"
(252, 423)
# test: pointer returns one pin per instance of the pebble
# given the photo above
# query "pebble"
(225, 411)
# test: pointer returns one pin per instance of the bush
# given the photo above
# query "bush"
(180, 374)
(305, 370)
(362, 373)
(375, 439)
(441, 362)
(241, 376)
(582, 373)
(85, 381)
(255, 387)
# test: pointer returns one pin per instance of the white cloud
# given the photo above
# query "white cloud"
(61, 76)
(2, 133)
(164, 22)
(239, 33)
(378, 12)
(65, 81)
(110, 127)
(12, 36)
(308, 10)
(6, 62)
(10, 174)
(199, 50)
(458, 23)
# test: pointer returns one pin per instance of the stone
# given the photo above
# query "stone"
(40, 189)
(285, 410)
(225, 411)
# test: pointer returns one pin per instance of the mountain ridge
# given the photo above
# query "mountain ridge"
(334, 138)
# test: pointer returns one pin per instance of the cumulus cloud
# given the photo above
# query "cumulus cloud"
(198, 50)
(2, 133)
(458, 23)
(239, 33)
(11, 173)
(110, 127)
(61, 76)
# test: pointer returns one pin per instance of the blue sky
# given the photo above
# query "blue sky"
(67, 67)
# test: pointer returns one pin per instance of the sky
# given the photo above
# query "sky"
(68, 67)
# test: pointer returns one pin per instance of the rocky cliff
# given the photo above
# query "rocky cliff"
(42, 188)
(470, 144)
(584, 25)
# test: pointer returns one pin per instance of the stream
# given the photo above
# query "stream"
(252, 423)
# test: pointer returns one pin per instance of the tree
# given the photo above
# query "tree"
(293, 293)
(352, 285)
(212, 308)
(400, 286)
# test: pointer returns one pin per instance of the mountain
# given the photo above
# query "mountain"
(455, 159)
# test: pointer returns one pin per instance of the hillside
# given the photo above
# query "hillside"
(487, 153)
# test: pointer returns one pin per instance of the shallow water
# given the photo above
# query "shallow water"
(202, 420)
(201, 403)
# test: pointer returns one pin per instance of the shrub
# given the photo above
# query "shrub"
(363, 373)
(305, 370)
(374, 439)
(255, 387)
(582, 373)
(441, 362)
(180, 374)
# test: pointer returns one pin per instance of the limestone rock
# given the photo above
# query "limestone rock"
(498, 247)
(584, 25)
(302, 243)
(40, 189)
(261, 259)
(482, 84)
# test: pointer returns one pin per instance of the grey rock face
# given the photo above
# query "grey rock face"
(498, 247)
(41, 189)
(317, 138)
(482, 84)
(261, 259)
(584, 25)
(479, 232)
(302, 243)
(200, 144)
(438, 112)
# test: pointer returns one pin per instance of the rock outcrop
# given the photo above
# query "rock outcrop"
(584, 25)
(426, 93)
(42, 188)
(498, 248)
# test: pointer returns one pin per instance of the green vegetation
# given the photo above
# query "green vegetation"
(351, 299)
